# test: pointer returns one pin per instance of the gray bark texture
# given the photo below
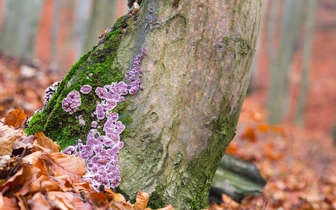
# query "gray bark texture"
(18, 33)
(195, 77)
(278, 101)
(307, 47)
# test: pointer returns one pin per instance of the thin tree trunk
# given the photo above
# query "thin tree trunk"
(82, 13)
(19, 28)
(279, 83)
(195, 76)
(309, 33)
(103, 16)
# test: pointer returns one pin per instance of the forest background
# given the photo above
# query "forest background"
(287, 125)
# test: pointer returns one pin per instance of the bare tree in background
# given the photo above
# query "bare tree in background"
(307, 45)
(19, 26)
(280, 68)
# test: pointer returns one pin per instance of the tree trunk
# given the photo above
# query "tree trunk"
(102, 17)
(309, 32)
(195, 76)
(19, 28)
(280, 70)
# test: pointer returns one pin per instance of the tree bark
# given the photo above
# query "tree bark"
(279, 83)
(195, 77)
(18, 34)
(102, 17)
(309, 33)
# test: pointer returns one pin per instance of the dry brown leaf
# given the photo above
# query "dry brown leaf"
(14, 184)
(121, 205)
(41, 184)
(270, 153)
(39, 202)
(98, 199)
(15, 118)
(63, 164)
(117, 197)
(61, 200)
(264, 127)
(8, 136)
(46, 142)
(4, 161)
(79, 204)
(249, 134)
(84, 186)
(22, 202)
(8, 203)
(32, 158)
(141, 200)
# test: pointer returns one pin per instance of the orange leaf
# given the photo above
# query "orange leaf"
(8, 203)
(249, 134)
(141, 200)
(15, 118)
(63, 164)
(46, 142)
(42, 184)
(98, 199)
(232, 148)
(116, 196)
(279, 130)
(256, 116)
(79, 204)
(264, 127)
(270, 152)
(14, 184)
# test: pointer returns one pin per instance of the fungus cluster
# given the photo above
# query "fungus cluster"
(102, 148)
(71, 103)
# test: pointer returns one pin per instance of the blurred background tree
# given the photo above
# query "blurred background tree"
(56, 32)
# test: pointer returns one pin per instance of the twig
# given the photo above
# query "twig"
(14, 170)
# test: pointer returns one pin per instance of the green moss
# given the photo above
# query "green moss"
(157, 198)
(97, 68)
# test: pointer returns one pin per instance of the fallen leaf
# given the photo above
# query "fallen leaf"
(15, 118)
(79, 204)
(270, 153)
(141, 200)
(63, 164)
(41, 184)
(264, 127)
(39, 202)
(115, 196)
(232, 148)
(46, 142)
(249, 134)
(22, 202)
(16, 182)
(8, 136)
(8, 203)
(61, 200)
(98, 199)
(256, 116)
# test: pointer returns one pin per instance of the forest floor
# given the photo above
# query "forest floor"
(299, 164)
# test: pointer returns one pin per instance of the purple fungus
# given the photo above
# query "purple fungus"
(101, 150)
(85, 89)
(71, 103)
